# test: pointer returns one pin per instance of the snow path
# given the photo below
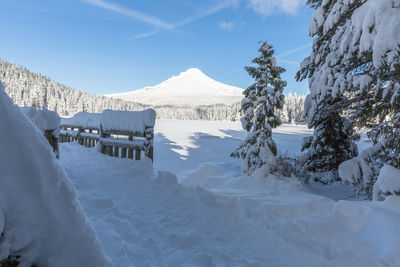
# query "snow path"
(141, 220)
(144, 218)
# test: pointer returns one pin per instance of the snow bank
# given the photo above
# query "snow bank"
(135, 121)
(388, 182)
(311, 230)
(83, 119)
(40, 217)
(44, 119)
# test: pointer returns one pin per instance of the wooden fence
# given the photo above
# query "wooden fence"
(124, 134)
(132, 137)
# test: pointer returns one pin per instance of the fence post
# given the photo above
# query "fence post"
(149, 150)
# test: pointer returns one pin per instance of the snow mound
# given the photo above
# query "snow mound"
(191, 88)
(83, 119)
(356, 170)
(388, 182)
(43, 119)
(40, 217)
(135, 121)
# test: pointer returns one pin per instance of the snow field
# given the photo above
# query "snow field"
(215, 215)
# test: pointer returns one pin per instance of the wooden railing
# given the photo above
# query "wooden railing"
(126, 144)
(69, 133)
(123, 142)
(85, 136)
(128, 134)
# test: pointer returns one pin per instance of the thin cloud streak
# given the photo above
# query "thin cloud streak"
(143, 35)
(158, 23)
(295, 50)
(130, 13)
(220, 6)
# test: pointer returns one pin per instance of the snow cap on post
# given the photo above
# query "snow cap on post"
(134, 121)
(83, 119)
(43, 119)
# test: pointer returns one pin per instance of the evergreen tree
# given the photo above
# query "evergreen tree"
(356, 57)
(259, 105)
(331, 142)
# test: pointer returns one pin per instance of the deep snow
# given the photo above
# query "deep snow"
(40, 217)
(217, 216)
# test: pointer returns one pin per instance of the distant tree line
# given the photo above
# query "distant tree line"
(30, 89)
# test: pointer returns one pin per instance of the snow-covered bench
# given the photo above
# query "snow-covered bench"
(48, 122)
(126, 134)
(82, 127)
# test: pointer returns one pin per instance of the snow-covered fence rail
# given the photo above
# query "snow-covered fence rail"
(82, 127)
(48, 122)
(126, 134)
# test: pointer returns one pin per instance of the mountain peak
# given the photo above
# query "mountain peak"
(192, 72)
(190, 88)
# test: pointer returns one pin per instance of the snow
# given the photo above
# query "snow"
(373, 27)
(43, 119)
(129, 143)
(192, 87)
(356, 170)
(71, 133)
(307, 104)
(40, 217)
(210, 214)
(85, 134)
(135, 121)
(83, 119)
(388, 182)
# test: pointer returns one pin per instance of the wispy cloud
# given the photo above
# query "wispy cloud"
(270, 7)
(158, 23)
(294, 50)
(220, 5)
(130, 13)
(228, 26)
(143, 35)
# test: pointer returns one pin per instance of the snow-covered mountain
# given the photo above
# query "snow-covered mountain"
(191, 88)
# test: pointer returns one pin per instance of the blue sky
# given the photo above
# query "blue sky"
(111, 46)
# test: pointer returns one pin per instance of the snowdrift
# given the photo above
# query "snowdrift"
(40, 217)
(388, 182)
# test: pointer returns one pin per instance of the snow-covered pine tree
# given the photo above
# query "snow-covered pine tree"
(331, 143)
(357, 52)
(368, 45)
(259, 105)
